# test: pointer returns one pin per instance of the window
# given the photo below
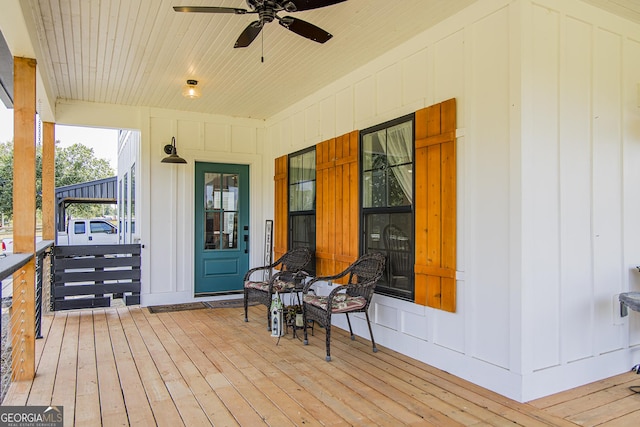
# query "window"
(302, 202)
(120, 211)
(79, 228)
(125, 206)
(133, 200)
(387, 202)
(101, 227)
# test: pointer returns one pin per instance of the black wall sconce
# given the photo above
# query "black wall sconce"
(172, 157)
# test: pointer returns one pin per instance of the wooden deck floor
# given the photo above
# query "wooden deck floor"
(126, 366)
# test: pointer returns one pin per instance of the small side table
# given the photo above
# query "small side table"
(291, 318)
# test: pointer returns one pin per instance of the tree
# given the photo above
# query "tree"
(6, 178)
(77, 163)
(74, 164)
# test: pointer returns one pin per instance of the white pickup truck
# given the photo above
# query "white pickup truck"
(88, 232)
(83, 232)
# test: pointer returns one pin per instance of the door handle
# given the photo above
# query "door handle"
(246, 243)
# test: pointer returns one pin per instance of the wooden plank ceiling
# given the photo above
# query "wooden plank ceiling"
(140, 53)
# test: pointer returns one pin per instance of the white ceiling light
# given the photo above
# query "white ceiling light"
(191, 90)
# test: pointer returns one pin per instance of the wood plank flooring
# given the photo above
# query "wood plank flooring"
(126, 366)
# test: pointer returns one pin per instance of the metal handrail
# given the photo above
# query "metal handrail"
(10, 264)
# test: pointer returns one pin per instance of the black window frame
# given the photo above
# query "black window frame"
(310, 214)
(382, 287)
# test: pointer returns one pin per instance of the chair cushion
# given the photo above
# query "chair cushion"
(342, 303)
(278, 286)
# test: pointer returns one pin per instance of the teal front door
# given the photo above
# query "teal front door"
(221, 227)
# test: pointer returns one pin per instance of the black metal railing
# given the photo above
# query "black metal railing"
(10, 270)
(44, 250)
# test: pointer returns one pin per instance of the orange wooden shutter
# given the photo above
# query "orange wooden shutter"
(280, 240)
(346, 201)
(336, 203)
(435, 206)
(325, 207)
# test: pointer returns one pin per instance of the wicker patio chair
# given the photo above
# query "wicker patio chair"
(290, 266)
(353, 297)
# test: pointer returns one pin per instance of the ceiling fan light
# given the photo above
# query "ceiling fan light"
(289, 6)
(191, 90)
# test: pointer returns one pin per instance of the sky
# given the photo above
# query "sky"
(103, 141)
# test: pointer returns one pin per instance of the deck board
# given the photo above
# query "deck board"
(271, 367)
(286, 355)
(64, 388)
(363, 398)
(254, 398)
(126, 366)
(168, 358)
(157, 394)
(112, 408)
(192, 339)
(87, 393)
(194, 367)
(130, 381)
(42, 389)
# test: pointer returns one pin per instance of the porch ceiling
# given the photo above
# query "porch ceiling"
(140, 53)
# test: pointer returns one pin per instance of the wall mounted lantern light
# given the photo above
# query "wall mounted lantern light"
(191, 90)
(172, 157)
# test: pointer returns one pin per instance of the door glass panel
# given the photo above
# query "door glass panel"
(230, 231)
(221, 210)
(209, 190)
(230, 192)
(212, 230)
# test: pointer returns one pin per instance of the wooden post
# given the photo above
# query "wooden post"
(48, 182)
(48, 203)
(24, 217)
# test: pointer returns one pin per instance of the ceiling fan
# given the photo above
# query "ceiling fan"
(267, 11)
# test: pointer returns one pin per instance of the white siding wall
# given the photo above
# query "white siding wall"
(199, 138)
(128, 155)
(580, 231)
(548, 136)
(165, 192)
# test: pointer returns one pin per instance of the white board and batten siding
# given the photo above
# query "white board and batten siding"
(199, 138)
(548, 141)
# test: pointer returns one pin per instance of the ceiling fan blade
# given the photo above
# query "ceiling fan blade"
(296, 5)
(206, 9)
(304, 29)
(249, 34)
